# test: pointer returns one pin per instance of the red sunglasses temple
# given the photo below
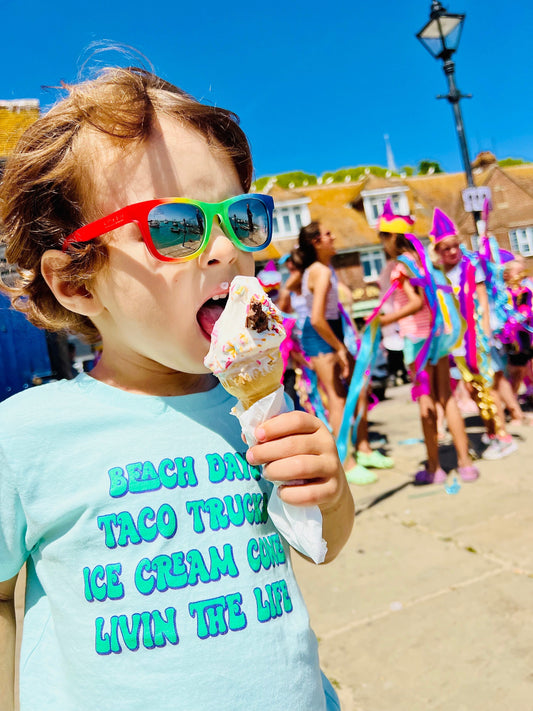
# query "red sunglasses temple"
(102, 226)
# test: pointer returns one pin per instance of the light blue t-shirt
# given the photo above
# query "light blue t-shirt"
(155, 577)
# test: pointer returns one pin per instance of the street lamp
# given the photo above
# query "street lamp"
(441, 38)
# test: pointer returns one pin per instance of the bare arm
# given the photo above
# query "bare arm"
(293, 283)
(414, 304)
(7, 643)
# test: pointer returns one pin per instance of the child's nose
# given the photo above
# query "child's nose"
(220, 249)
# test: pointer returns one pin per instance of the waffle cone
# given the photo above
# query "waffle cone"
(253, 378)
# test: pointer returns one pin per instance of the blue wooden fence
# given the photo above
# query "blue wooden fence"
(23, 351)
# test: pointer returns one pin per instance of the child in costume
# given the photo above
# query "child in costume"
(155, 577)
(519, 346)
(471, 356)
(504, 320)
(426, 343)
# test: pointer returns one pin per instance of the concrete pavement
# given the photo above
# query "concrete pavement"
(429, 606)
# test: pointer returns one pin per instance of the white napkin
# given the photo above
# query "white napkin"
(301, 526)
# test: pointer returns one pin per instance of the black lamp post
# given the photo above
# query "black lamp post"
(441, 38)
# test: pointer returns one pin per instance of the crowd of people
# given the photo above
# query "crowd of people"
(456, 324)
(154, 568)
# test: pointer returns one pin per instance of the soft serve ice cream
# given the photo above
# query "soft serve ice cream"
(245, 343)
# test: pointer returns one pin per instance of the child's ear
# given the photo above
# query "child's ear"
(73, 297)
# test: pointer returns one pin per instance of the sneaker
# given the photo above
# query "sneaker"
(375, 460)
(360, 476)
(486, 438)
(500, 447)
(424, 477)
(468, 473)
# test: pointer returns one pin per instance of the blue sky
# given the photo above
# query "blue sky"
(316, 85)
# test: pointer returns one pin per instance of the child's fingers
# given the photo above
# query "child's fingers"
(284, 447)
(303, 467)
(314, 492)
(288, 423)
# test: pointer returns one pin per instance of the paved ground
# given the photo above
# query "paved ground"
(429, 605)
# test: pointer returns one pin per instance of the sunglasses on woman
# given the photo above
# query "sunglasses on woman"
(178, 229)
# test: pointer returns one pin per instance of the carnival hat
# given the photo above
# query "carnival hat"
(442, 227)
(269, 277)
(397, 224)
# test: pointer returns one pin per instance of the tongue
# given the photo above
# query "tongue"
(208, 315)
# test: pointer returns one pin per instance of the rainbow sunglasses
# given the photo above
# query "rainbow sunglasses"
(178, 229)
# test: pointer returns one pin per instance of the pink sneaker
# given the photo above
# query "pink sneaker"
(425, 477)
(468, 473)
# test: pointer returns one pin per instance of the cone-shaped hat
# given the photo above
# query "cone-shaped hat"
(389, 222)
(442, 227)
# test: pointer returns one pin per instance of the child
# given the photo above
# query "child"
(155, 577)
(415, 318)
(519, 349)
(475, 370)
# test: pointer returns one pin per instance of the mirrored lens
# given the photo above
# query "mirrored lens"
(249, 220)
(176, 229)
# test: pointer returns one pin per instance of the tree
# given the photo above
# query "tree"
(428, 166)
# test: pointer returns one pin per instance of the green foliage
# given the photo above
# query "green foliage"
(297, 178)
(339, 176)
(506, 162)
(425, 165)
(260, 183)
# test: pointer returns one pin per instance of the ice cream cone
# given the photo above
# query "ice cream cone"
(253, 378)
(245, 343)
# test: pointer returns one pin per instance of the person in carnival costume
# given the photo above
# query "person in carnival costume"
(505, 321)
(519, 350)
(430, 327)
(471, 355)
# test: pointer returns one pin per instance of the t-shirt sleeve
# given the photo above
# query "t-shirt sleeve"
(399, 273)
(13, 551)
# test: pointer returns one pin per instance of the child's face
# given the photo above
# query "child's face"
(449, 251)
(157, 316)
(388, 240)
(513, 273)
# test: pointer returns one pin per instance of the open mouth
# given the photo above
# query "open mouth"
(209, 313)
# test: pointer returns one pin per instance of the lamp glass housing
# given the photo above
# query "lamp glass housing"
(441, 35)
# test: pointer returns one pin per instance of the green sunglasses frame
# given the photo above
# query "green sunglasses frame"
(139, 212)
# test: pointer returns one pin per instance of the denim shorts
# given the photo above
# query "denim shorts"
(313, 344)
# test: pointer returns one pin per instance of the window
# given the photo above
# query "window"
(378, 203)
(522, 241)
(372, 263)
(374, 202)
(289, 218)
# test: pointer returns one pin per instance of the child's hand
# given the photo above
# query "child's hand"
(297, 450)
(344, 361)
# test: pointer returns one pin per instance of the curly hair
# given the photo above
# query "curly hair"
(43, 192)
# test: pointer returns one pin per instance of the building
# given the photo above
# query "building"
(351, 210)
(15, 117)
